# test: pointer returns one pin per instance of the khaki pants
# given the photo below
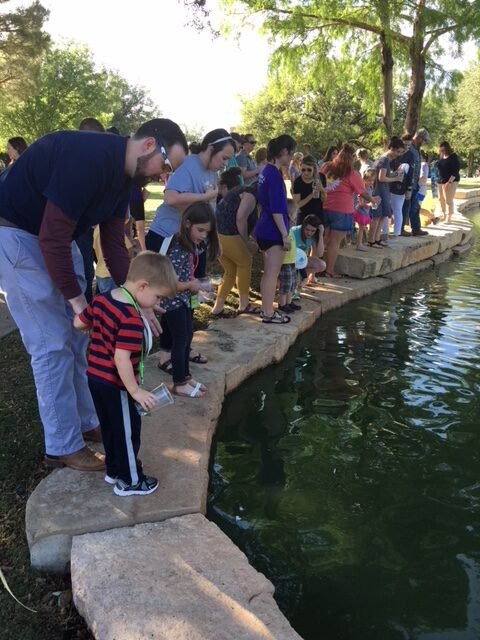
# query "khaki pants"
(446, 194)
(236, 260)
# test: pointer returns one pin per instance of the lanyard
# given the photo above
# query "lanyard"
(147, 335)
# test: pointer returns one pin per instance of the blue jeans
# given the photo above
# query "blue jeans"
(411, 210)
(57, 350)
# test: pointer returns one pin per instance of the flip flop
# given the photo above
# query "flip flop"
(198, 358)
(250, 309)
(226, 315)
(332, 275)
(166, 366)
(196, 391)
(277, 318)
(193, 383)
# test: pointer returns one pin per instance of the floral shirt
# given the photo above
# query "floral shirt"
(182, 261)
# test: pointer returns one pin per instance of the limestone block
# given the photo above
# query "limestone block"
(181, 579)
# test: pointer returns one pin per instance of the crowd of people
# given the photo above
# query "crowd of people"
(67, 203)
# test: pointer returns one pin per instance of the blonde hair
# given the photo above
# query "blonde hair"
(157, 270)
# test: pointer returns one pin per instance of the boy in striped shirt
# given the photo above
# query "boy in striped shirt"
(115, 366)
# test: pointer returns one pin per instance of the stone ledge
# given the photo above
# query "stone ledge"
(182, 579)
(176, 444)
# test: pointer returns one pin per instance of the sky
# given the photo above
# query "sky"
(195, 79)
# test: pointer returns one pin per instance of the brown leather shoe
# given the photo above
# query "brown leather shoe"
(83, 460)
(405, 233)
(94, 435)
(420, 232)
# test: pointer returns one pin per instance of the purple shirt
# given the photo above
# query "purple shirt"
(272, 197)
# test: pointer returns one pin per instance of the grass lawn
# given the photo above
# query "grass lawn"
(20, 471)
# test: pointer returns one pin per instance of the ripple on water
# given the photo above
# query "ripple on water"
(350, 475)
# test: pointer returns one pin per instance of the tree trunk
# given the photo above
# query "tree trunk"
(415, 94)
(416, 87)
(387, 74)
(470, 164)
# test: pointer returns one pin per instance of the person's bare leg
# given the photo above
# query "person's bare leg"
(272, 262)
(335, 239)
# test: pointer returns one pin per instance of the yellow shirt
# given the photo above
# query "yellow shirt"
(291, 255)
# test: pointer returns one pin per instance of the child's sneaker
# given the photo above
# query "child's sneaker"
(294, 307)
(142, 488)
(296, 295)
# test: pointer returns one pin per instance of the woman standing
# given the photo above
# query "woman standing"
(449, 176)
(294, 170)
(343, 183)
(385, 176)
(309, 191)
(273, 226)
(236, 217)
(194, 181)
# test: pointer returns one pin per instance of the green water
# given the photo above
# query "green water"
(350, 473)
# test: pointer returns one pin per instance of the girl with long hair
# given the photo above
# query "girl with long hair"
(198, 229)
(343, 183)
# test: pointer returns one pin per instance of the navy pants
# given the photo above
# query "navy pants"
(411, 211)
(85, 244)
(121, 424)
(180, 326)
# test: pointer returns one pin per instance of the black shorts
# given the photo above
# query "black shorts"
(263, 245)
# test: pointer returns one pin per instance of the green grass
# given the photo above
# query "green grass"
(20, 471)
(469, 183)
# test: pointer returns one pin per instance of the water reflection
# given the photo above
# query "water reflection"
(349, 474)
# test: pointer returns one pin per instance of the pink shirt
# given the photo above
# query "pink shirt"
(340, 193)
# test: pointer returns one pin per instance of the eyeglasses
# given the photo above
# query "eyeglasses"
(307, 169)
(251, 141)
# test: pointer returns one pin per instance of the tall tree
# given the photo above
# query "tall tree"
(409, 33)
(465, 123)
(311, 115)
(22, 43)
(71, 88)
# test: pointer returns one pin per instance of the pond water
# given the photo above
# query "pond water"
(350, 473)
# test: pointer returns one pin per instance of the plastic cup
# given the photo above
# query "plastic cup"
(163, 398)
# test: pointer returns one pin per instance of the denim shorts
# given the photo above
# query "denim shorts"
(339, 221)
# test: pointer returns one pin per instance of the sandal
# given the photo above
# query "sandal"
(250, 309)
(226, 315)
(198, 358)
(196, 391)
(375, 245)
(277, 318)
(332, 275)
(166, 366)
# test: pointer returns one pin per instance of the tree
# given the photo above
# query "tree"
(309, 113)
(465, 123)
(408, 33)
(22, 43)
(131, 104)
(71, 88)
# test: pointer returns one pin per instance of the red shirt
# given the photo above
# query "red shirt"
(340, 192)
(113, 325)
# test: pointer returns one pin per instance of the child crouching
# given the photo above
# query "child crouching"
(115, 366)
